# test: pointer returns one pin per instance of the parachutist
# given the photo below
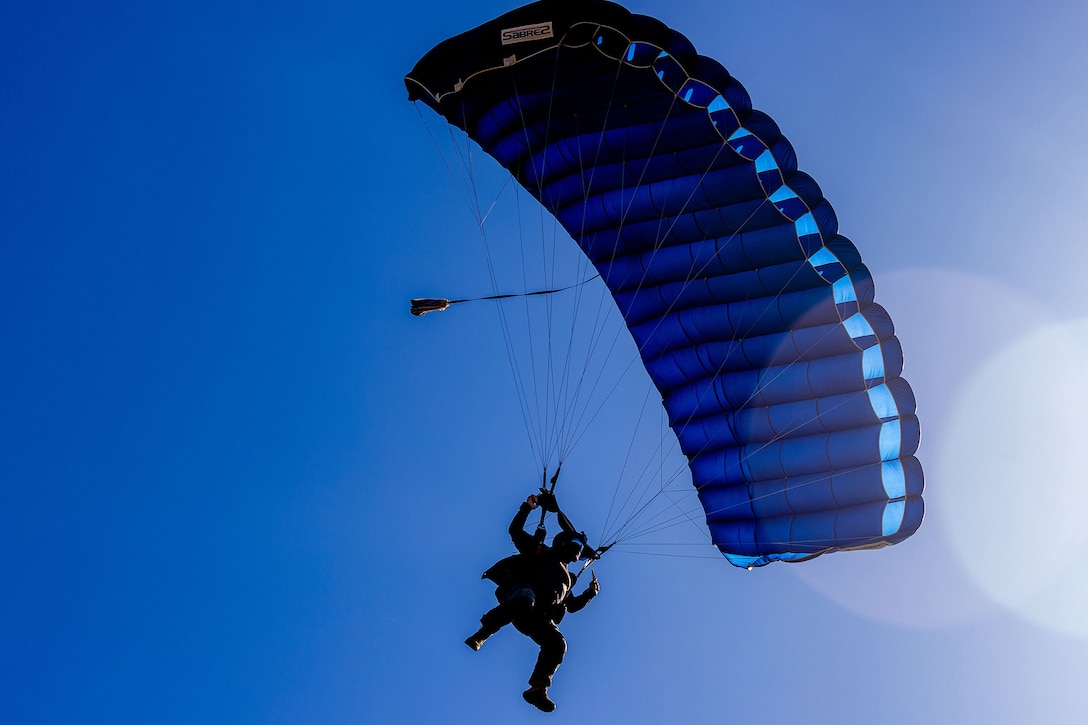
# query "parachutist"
(534, 593)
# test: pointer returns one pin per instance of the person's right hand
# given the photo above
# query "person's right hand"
(546, 500)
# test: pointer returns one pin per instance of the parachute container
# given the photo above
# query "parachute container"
(753, 316)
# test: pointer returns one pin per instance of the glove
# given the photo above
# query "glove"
(547, 501)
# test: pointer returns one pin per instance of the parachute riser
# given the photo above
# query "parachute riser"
(594, 558)
(541, 530)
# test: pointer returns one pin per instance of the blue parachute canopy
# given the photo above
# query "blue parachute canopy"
(754, 318)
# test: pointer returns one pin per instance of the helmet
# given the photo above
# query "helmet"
(569, 545)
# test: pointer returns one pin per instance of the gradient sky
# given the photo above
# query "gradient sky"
(239, 483)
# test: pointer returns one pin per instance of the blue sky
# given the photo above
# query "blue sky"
(241, 484)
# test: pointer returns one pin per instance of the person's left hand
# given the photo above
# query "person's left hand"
(595, 586)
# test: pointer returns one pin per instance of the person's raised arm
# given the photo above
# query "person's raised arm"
(523, 541)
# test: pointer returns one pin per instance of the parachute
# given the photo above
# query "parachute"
(754, 318)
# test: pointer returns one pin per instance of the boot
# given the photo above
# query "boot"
(538, 697)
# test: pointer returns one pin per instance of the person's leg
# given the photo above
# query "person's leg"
(518, 603)
(552, 648)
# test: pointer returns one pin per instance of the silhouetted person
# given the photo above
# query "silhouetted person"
(534, 593)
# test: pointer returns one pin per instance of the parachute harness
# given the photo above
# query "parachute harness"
(541, 532)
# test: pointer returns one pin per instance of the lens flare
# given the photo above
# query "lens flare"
(960, 323)
(1015, 480)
